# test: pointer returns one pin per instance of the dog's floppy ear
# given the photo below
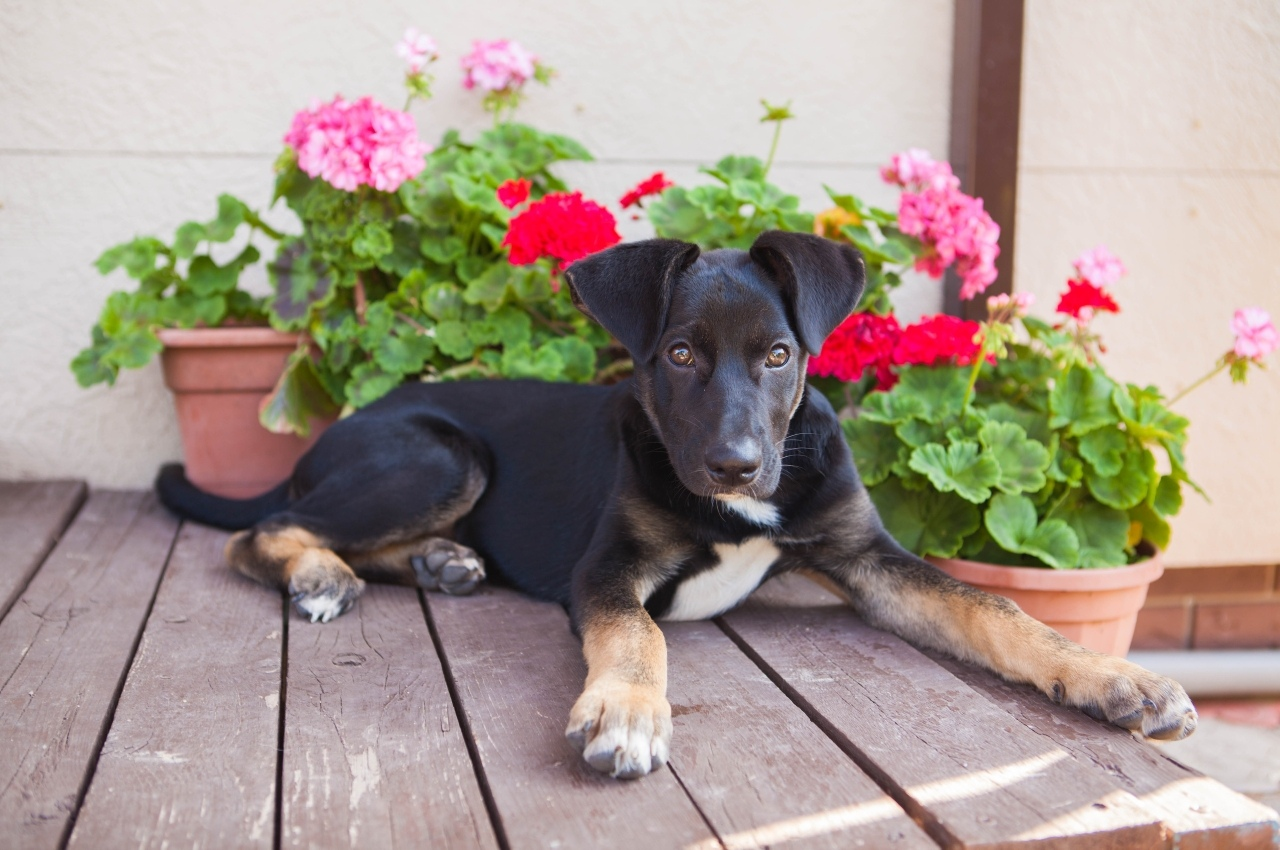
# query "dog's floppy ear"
(627, 288)
(821, 280)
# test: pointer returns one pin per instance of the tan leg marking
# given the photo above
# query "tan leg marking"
(622, 721)
(993, 632)
(295, 560)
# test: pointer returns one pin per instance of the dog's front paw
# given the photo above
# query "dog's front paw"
(448, 567)
(621, 729)
(322, 587)
(1127, 695)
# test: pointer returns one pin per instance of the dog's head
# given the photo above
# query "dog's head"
(720, 342)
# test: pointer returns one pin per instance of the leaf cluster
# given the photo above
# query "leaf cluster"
(1049, 462)
(178, 284)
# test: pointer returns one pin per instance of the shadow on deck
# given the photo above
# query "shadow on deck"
(151, 697)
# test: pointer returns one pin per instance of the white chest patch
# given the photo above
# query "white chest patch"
(714, 591)
(752, 510)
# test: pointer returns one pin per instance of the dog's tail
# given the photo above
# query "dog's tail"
(190, 502)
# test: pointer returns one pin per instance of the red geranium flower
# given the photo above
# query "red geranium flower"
(654, 185)
(563, 226)
(513, 193)
(863, 341)
(937, 338)
(1082, 299)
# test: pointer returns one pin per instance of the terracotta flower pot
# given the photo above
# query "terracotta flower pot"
(1095, 608)
(219, 377)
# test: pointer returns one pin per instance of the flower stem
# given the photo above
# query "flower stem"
(1203, 379)
(973, 373)
(773, 148)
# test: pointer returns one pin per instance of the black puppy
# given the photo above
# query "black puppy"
(672, 495)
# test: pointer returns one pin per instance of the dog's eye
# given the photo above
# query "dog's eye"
(681, 355)
(778, 357)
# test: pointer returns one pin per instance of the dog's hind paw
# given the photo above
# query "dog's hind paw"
(448, 567)
(622, 730)
(321, 591)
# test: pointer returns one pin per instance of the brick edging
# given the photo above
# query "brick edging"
(1227, 607)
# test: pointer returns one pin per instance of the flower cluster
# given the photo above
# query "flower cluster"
(1086, 293)
(417, 49)
(513, 193)
(866, 341)
(1256, 336)
(497, 66)
(953, 226)
(563, 226)
(653, 185)
(357, 144)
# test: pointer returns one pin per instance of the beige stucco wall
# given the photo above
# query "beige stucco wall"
(123, 117)
(1154, 127)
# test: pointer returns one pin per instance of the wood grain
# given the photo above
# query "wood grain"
(191, 756)
(33, 514)
(64, 649)
(1200, 813)
(969, 770)
(517, 670)
(373, 754)
(760, 772)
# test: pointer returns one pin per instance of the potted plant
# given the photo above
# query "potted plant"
(409, 264)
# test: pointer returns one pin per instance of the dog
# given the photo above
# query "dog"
(673, 495)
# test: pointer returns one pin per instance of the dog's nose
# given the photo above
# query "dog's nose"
(733, 464)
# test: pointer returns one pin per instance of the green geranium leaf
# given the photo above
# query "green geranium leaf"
(232, 212)
(469, 268)
(737, 168)
(1103, 533)
(925, 522)
(577, 356)
(298, 397)
(489, 289)
(505, 326)
(373, 241)
(405, 352)
(1022, 461)
(206, 278)
(960, 468)
(1081, 401)
(443, 301)
(1036, 425)
(1129, 486)
(875, 448)
(1065, 466)
(369, 383)
(1104, 449)
(443, 250)
(453, 340)
(1167, 500)
(940, 390)
(300, 281)
(1011, 522)
(891, 408)
(542, 364)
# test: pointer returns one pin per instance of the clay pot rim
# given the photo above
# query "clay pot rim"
(1046, 578)
(225, 337)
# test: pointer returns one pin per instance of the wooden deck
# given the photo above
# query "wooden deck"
(151, 698)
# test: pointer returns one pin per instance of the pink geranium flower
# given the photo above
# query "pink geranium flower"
(357, 144)
(1099, 267)
(953, 226)
(1256, 336)
(417, 49)
(497, 65)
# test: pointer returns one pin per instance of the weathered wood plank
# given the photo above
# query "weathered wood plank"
(1200, 812)
(373, 754)
(191, 756)
(33, 514)
(517, 670)
(760, 772)
(973, 774)
(64, 650)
